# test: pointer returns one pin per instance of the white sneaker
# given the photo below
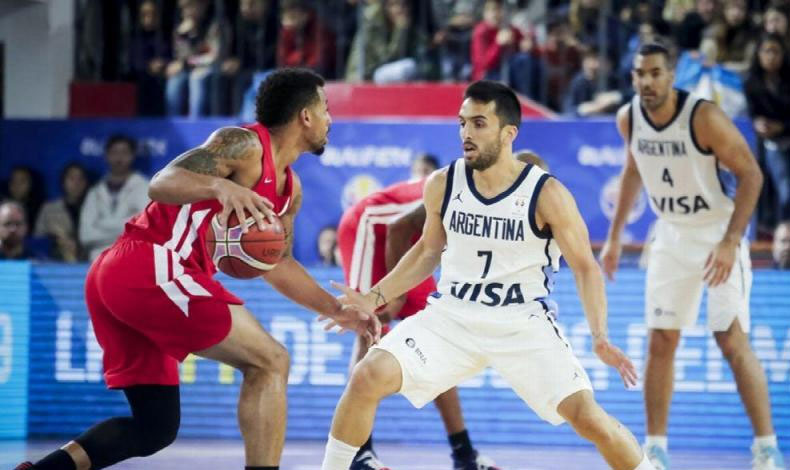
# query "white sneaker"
(657, 456)
(485, 463)
(766, 458)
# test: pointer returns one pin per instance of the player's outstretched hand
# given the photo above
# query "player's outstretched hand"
(236, 198)
(610, 257)
(354, 315)
(613, 356)
(719, 263)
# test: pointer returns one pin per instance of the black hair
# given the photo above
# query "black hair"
(75, 165)
(506, 105)
(756, 70)
(650, 48)
(430, 159)
(120, 138)
(284, 93)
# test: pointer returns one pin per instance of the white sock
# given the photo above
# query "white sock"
(338, 455)
(655, 440)
(645, 464)
(765, 441)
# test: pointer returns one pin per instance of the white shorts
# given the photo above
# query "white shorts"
(437, 351)
(674, 282)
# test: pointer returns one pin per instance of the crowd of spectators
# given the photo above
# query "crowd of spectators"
(206, 57)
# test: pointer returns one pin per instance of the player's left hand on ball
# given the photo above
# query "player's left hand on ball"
(719, 263)
(613, 356)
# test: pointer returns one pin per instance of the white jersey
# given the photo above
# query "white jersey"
(686, 184)
(495, 256)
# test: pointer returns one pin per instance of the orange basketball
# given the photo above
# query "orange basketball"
(245, 255)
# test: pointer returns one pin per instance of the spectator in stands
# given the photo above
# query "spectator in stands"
(424, 165)
(386, 46)
(584, 17)
(119, 195)
(253, 49)
(196, 50)
(775, 22)
(501, 52)
(327, 246)
(689, 32)
(584, 97)
(646, 33)
(735, 37)
(675, 10)
(768, 98)
(304, 41)
(149, 53)
(562, 55)
(456, 19)
(59, 220)
(781, 245)
(26, 188)
(13, 230)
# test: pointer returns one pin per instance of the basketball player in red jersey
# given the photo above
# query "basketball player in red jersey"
(152, 298)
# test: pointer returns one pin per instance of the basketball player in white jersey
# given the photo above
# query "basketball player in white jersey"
(686, 151)
(497, 226)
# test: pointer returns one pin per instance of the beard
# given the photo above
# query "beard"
(488, 155)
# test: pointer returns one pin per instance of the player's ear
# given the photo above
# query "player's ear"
(304, 117)
(510, 133)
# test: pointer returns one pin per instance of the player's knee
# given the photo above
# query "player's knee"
(663, 342)
(155, 439)
(731, 347)
(270, 361)
(369, 380)
(592, 423)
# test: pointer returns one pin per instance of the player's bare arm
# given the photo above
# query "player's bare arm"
(557, 209)
(400, 232)
(292, 280)
(716, 132)
(420, 261)
(630, 185)
(223, 168)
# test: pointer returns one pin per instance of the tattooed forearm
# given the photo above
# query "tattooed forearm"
(198, 160)
(228, 143)
(378, 297)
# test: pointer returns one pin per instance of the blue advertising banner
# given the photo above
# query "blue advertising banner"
(14, 341)
(362, 157)
(66, 392)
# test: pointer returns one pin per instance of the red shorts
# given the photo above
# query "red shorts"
(364, 264)
(150, 309)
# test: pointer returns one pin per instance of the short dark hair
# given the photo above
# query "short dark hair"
(284, 93)
(430, 159)
(506, 105)
(120, 138)
(650, 48)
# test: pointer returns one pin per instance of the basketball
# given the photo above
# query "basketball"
(245, 255)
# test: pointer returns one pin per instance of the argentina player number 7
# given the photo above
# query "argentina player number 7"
(487, 254)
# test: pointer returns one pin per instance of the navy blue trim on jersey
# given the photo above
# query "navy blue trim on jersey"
(551, 321)
(630, 120)
(488, 201)
(682, 95)
(691, 129)
(548, 270)
(448, 188)
(533, 204)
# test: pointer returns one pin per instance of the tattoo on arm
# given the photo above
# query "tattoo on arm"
(229, 143)
(379, 297)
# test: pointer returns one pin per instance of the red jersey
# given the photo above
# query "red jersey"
(362, 239)
(182, 229)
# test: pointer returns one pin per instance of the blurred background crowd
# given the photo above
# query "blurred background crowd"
(206, 57)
